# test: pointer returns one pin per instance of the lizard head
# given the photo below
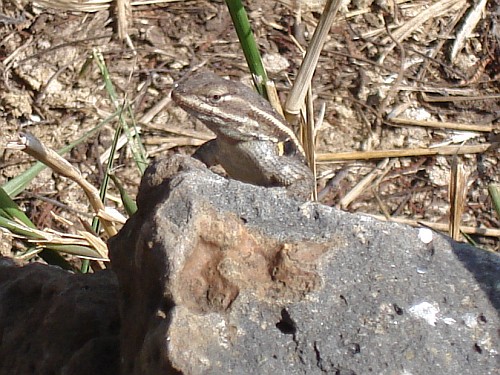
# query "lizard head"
(231, 109)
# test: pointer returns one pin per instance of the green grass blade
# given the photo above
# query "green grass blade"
(248, 44)
(55, 259)
(78, 250)
(20, 229)
(132, 133)
(128, 202)
(15, 186)
(12, 210)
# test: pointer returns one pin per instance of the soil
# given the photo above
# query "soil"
(52, 87)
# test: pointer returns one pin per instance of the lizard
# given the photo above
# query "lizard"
(253, 143)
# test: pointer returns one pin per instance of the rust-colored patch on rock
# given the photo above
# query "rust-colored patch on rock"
(228, 257)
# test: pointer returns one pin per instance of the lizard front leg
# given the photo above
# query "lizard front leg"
(207, 153)
(278, 169)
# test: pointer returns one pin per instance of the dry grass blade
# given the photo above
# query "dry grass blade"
(468, 26)
(494, 191)
(75, 5)
(33, 147)
(443, 125)
(122, 142)
(442, 227)
(84, 246)
(458, 98)
(157, 108)
(308, 138)
(457, 193)
(379, 154)
(92, 5)
(123, 15)
(302, 85)
(434, 11)
(304, 76)
(363, 184)
(96, 243)
(272, 96)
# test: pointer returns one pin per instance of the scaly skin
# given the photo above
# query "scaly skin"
(254, 143)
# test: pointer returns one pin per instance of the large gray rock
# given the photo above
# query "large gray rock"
(56, 322)
(220, 277)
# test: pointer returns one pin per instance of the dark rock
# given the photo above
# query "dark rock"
(55, 322)
(219, 277)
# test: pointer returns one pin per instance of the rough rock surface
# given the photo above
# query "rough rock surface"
(222, 277)
(55, 322)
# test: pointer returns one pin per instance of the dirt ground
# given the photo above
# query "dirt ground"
(52, 87)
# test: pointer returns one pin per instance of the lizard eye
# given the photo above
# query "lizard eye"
(215, 98)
